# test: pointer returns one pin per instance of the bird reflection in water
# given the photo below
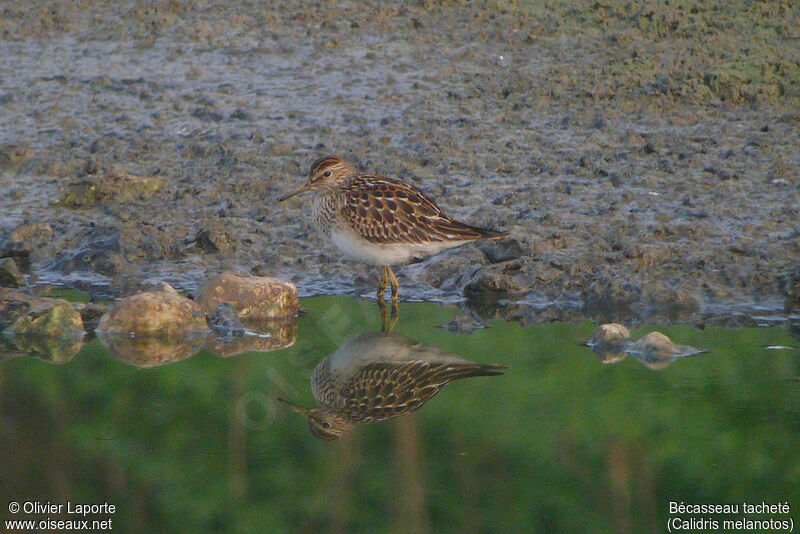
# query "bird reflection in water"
(377, 376)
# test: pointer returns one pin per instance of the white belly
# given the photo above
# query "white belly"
(361, 250)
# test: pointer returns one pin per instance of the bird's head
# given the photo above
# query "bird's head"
(322, 423)
(325, 173)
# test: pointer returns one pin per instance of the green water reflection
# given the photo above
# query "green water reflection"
(560, 442)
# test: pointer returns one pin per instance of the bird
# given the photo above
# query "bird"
(373, 377)
(380, 221)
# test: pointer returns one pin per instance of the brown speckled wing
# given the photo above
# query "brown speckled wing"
(383, 390)
(386, 211)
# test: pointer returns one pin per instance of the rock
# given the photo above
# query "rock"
(500, 250)
(225, 321)
(253, 297)
(99, 251)
(33, 233)
(22, 242)
(656, 351)
(463, 324)
(117, 187)
(791, 285)
(90, 312)
(49, 328)
(15, 304)
(13, 157)
(489, 281)
(10, 275)
(164, 313)
(58, 319)
(609, 334)
(213, 240)
(608, 293)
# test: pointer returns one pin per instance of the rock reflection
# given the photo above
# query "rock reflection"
(611, 343)
(656, 351)
(54, 349)
(377, 376)
(152, 350)
(260, 336)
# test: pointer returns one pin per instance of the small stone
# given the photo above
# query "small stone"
(10, 275)
(486, 281)
(165, 313)
(213, 240)
(501, 250)
(253, 297)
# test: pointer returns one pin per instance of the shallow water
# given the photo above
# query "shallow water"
(559, 442)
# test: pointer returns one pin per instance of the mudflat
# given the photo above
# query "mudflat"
(640, 157)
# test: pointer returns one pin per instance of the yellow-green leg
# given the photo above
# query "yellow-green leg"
(384, 283)
(387, 329)
(395, 284)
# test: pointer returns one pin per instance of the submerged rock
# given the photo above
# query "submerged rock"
(656, 351)
(163, 312)
(10, 275)
(253, 297)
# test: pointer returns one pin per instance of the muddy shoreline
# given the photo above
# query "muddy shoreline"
(639, 171)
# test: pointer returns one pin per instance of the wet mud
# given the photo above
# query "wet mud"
(643, 161)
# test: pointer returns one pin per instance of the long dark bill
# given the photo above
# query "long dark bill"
(302, 189)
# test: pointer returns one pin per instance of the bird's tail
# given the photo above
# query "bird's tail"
(488, 234)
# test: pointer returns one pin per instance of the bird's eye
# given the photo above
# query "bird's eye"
(326, 425)
(326, 174)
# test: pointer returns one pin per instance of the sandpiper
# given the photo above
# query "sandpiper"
(381, 221)
(373, 377)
